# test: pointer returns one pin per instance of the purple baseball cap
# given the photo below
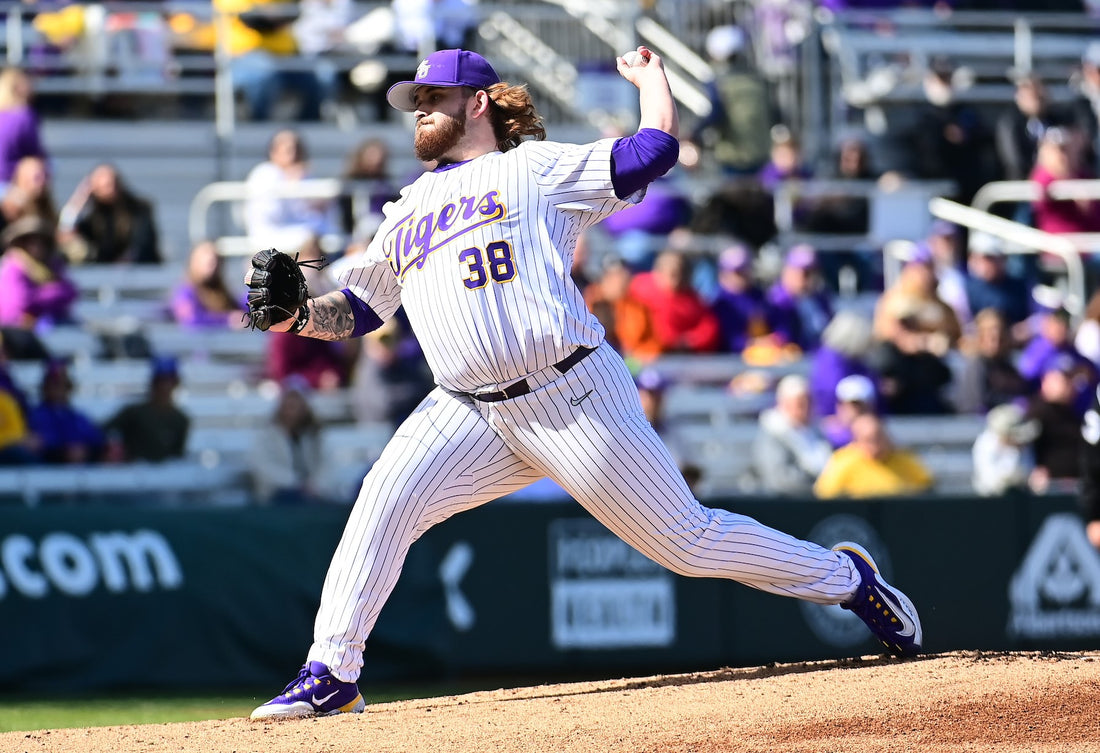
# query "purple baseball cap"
(918, 253)
(736, 258)
(801, 256)
(943, 228)
(444, 68)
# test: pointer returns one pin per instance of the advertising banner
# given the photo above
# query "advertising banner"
(104, 596)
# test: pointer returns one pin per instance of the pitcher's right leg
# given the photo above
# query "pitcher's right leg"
(443, 459)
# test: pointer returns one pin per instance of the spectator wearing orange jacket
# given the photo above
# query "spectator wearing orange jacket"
(682, 320)
(626, 321)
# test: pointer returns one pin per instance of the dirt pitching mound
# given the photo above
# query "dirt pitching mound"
(973, 702)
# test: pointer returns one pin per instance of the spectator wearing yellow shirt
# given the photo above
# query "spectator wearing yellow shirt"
(870, 466)
(265, 63)
(15, 440)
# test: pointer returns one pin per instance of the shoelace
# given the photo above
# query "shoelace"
(303, 675)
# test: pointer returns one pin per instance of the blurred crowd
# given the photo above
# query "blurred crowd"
(963, 325)
(290, 59)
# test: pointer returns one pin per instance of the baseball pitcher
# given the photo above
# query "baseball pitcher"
(478, 251)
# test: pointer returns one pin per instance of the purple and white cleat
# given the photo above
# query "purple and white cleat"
(314, 692)
(888, 612)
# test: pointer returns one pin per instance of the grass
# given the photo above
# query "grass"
(160, 708)
(105, 712)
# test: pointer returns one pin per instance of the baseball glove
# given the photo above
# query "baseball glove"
(277, 289)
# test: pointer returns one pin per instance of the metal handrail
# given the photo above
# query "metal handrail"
(233, 191)
(1023, 239)
(1028, 190)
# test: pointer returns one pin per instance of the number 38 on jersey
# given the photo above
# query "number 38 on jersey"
(495, 262)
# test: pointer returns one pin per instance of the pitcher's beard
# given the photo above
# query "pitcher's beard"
(429, 146)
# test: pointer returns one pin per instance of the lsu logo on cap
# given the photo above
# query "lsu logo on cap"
(423, 68)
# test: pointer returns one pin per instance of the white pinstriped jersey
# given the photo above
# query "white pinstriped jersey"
(480, 255)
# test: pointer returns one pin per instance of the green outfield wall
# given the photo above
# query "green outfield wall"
(99, 596)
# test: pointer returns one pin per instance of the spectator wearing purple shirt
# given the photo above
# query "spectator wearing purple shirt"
(65, 435)
(1054, 343)
(204, 300)
(19, 128)
(739, 305)
(785, 162)
(798, 309)
(854, 396)
(34, 288)
(844, 346)
(639, 231)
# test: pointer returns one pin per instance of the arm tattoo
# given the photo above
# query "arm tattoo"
(330, 317)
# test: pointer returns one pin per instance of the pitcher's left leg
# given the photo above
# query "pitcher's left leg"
(606, 455)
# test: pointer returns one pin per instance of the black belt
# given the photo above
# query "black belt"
(522, 387)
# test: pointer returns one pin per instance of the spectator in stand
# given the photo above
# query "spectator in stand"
(18, 344)
(19, 127)
(325, 365)
(943, 242)
(111, 224)
(740, 306)
(28, 193)
(391, 376)
(204, 300)
(914, 330)
(627, 322)
(947, 139)
(1053, 340)
(288, 224)
(652, 386)
(845, 345)
(1087, 339)
(286, 461)
(259, 36)
(914, 297)
(1058, 446)
(989, 286)
(64, 434)
(1086, 105)
(785, 161)
(870, 466)
(789, 452)
(361, 210)
(735, 130)
(1060, 152)
(844, 213)
(154, 429)
(682, 321)
(1019, 130)
(7, 381)
(16, 441)
(799, 307)
(319, 32)
(854, 396)
(34, 287)
(912, 378)
(641, 230)
(427, 25)
(989, 375)
(1003, 460)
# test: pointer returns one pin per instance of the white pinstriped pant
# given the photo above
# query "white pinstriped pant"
(454, 453)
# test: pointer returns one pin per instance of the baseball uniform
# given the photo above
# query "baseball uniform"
(479, 254)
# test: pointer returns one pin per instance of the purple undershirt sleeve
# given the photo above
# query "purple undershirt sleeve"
(638, 160)
(365, 318)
